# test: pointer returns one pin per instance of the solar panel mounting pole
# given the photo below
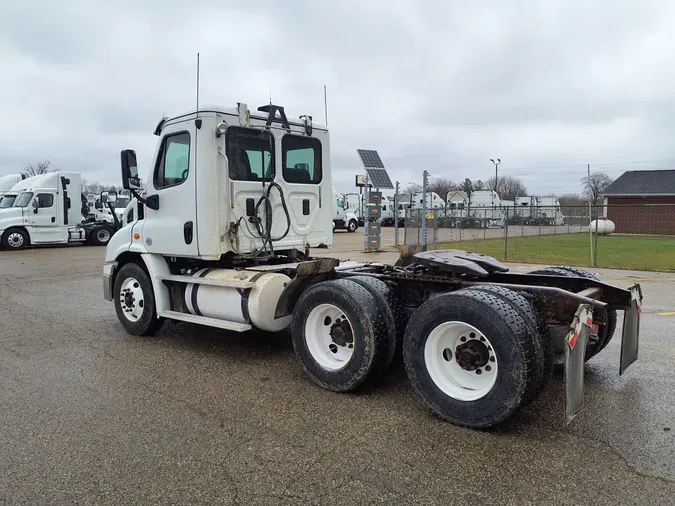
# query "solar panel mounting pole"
(425, 174)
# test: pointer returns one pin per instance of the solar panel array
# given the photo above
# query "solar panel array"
(377, 174)
(379, 178)
(370, 158)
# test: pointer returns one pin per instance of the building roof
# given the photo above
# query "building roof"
(643, 182)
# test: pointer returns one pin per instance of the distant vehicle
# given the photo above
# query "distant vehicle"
(537, 211)
(344, 218)
(47, 210)
(7, 183)
(485, 209)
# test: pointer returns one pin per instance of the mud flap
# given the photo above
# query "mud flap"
(631, 329)
(575, 355)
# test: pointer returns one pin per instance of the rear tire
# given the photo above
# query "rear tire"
(15, 239)
(452, 333)
(135, 301)
(543, 343)
(605, 332)
(395, 317)
(100, 235)
(339, 334)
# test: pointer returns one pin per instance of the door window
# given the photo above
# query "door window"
(301, 159)
(173, 162)
(250, 154)
(45, 200)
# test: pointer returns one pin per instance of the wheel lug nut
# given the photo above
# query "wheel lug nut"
(488, 368)
(333, 348)
(478, 371)
(492, 359)
(463, 339)
(482, 338)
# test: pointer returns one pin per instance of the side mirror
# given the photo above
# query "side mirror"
(109, 197)
(130, 179)
(35, 205)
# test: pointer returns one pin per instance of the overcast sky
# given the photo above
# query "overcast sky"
(547, 86)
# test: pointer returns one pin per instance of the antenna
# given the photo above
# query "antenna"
(270, 94)
(197, 84)
(325, 105)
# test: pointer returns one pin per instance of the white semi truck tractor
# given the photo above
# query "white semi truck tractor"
(47, 209)
(221, 236)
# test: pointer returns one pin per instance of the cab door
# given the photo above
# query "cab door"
(301, 175)
(171, 229)
(44, 218)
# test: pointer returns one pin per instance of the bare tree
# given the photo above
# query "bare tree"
(466, 187)
(441, 187)
(37, 169)
(509, 187)
(478, 185)
(571, 199)
(595, 185)
(411, 188)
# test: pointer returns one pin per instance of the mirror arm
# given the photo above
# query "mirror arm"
(118, 224)
(152, 202)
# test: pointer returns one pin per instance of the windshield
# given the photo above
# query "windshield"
(121, 203)
(23, 199)
(7, 201)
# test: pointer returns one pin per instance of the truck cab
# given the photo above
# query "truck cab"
(46, 209)
(344, 215)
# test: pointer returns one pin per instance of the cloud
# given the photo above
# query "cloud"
(437, 86)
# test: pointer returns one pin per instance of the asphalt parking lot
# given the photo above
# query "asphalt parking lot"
(92, 415)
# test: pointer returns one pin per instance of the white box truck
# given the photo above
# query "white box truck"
(48, 210)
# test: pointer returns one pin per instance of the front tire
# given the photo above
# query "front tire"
(339, 334)
(15, 239)
(352, 226)
(471, 358)
(135, 301)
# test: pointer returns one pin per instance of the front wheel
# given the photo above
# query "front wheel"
(339, 334)
(352, 226)
(135, 301)
(15, 239)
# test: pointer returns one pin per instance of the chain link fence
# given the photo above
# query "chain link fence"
(620, 236)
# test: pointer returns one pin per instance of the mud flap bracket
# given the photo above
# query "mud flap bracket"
(575, 355)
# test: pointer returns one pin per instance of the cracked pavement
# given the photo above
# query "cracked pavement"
(92, 415)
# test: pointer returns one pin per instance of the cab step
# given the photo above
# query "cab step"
(204, 320)
(233, 283)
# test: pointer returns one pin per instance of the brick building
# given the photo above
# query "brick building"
(642, 202)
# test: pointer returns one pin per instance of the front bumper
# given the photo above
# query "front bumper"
(109, 269)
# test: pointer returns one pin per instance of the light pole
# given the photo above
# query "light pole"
(496, 164)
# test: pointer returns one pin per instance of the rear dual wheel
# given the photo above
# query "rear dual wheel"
(347, 331)
(472, 357)
(607, 317)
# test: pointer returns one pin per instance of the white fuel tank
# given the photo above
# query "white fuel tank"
(255, 306)
(604, 225)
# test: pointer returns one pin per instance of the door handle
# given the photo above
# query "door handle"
(53, 219)
(187, 232)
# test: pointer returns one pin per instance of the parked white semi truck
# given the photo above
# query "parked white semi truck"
(344, 217)
(47, 209)
(222, 235)
(8, 182)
